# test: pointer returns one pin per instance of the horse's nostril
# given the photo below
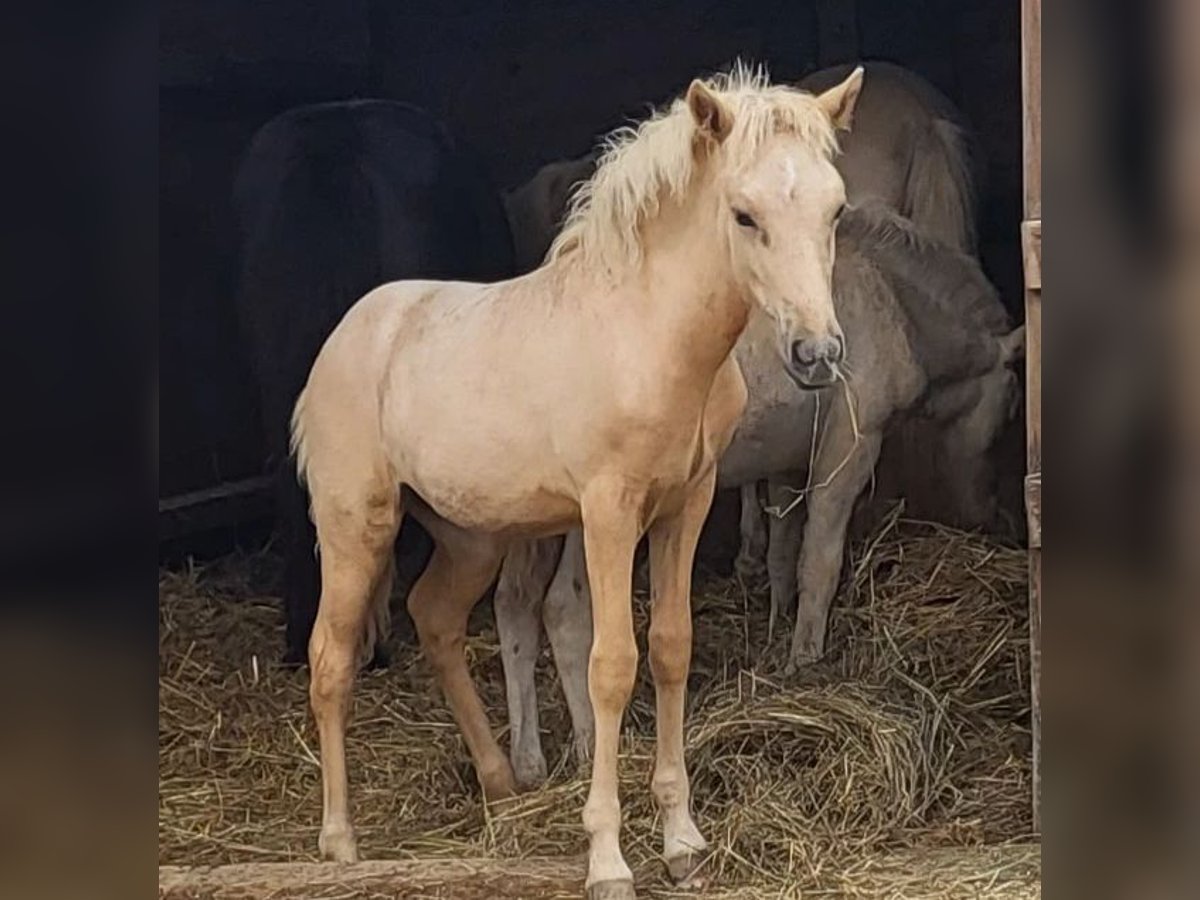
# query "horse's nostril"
(839, 349)
(802, 353)
(810, 352)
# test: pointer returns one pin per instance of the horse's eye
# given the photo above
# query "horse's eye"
(744, 219)
(838, 215)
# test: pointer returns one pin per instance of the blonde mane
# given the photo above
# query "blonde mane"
(641, 166)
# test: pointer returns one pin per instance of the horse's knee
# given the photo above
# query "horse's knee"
(611, 674)
(670, 651)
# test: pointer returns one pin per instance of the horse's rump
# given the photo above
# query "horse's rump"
(333, 200)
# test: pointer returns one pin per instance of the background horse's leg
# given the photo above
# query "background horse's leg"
(610, 531)
(753, 547)
(820, 561)
(568, 618)
(527, 570)
(783, 548)
(355, 558)
(378, 626)
(458, 573)
(672, 551)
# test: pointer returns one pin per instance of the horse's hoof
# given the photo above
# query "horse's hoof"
(685, 870)
(616, 889)
(530, 772)
(800, 665)
(294, 659)
(338, 845)
(380, 659)
(498, 783)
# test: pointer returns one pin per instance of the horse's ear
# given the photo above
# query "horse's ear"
(839, 101)
(712, 117)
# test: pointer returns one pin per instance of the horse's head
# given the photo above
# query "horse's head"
(780, 198)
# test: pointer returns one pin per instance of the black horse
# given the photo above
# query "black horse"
(333, 200)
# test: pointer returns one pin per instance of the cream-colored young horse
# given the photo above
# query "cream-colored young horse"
(598, 390)
(927, 337)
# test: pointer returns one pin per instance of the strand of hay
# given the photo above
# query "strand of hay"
(910, 738)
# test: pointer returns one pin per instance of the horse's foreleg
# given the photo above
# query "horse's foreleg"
(355, 557)
(611, 531)
(568, 618)
(753, 547)
(458, 573)
(783, 548)
(820, 561)
(672, 551)
(526, 571)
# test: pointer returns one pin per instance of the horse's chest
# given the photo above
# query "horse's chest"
(690, 443)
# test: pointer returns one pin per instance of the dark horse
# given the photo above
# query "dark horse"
(333, 200)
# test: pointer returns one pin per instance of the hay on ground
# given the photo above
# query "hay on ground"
(910, 742)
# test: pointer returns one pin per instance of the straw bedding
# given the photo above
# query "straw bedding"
(883, 771)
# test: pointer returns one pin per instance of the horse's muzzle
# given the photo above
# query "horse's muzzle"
(813, 362)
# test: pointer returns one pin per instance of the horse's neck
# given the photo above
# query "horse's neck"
(687, 287)
(936, 295)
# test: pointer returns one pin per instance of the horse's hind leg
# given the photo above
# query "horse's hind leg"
(753, 545)
(371, 652)
(568, 617)
(526, 572)
(356, 544)
(301, 573)
(459, 572)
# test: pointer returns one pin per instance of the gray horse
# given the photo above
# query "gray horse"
(926, 337)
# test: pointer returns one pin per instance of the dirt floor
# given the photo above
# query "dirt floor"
(898, 767)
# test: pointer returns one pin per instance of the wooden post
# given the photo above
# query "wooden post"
(1031, 243)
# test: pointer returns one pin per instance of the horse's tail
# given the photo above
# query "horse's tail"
(297, 447)
(940, 192)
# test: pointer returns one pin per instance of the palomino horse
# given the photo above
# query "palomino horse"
(333, 200)
(927, 336)
(908, 150)
(598, 390)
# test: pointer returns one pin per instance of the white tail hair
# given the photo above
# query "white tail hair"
(297, 444)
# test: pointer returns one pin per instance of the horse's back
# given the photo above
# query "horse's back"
(909, 149)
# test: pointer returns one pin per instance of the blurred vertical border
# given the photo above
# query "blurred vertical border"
(78, 273)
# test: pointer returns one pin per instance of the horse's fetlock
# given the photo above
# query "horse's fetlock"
(601, 815)
(670, 791)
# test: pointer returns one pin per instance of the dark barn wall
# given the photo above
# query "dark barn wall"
(524, 83)
(226, 67)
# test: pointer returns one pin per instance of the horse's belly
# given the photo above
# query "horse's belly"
(514, 509)
(490, 485)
